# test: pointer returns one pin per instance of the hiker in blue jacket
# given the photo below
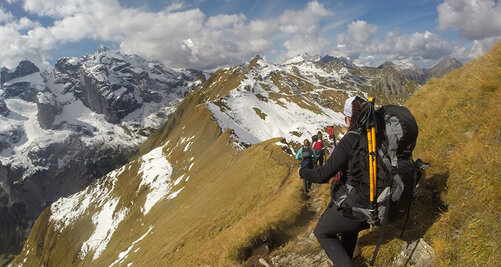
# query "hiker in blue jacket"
(307, 156)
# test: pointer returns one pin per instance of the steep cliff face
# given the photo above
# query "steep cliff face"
(63, 128)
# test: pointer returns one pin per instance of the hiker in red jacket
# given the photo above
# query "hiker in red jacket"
(318, 146)
(331, 134)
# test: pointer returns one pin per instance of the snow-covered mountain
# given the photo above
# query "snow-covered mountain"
(197, 184)
(64, 127)
(296, 99)
(204, 166)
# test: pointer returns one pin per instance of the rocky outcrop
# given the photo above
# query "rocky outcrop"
(443, 67)
(421, 76)
(319, 259)
(111, 83)
(4, 111)
(23, 90)
(391, 83)
(24, 68)
(47, 109)
(417, 254)
(92, 95)
(11, 136)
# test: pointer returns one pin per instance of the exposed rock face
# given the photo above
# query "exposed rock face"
(23, 90)
(418, 254)
(47, 109)
(421, 76)
(392, 83)
(11, 136)
(4, 111)
(443, 67)
(24, 68)
(115, 85)
(62, 129)
(292, 259)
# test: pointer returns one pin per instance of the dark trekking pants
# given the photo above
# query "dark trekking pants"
(320, 158)
(307, 163)
(338, 235)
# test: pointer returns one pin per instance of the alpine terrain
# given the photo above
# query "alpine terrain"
(64, 127)
(217, 184)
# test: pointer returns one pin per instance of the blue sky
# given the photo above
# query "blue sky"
(207, 34)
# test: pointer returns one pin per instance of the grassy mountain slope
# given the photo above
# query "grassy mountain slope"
(229, 199)
(457, 204)
(460, 134)
(222, 201)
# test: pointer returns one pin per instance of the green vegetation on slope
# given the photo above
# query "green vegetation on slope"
(460, 134)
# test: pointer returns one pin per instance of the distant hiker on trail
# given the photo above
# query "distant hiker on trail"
(318, 146)
(337, 177)
(332, 222)
(307, 156)
(332, 136)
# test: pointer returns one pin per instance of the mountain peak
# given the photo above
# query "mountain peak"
(443, 67)
(387, 64)
(302, 58)
(24, 68)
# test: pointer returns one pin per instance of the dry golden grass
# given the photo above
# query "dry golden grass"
(233, 200)
(460, 134)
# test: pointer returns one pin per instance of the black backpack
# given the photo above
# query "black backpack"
(396, 175)
(396, 134)
(306, 153)
(307, 157)
(314, 138)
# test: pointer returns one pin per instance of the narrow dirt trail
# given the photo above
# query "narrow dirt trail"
(300, 231)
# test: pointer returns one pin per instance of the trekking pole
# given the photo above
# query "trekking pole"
(371, 138)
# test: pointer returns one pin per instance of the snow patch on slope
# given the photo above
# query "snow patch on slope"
(281, 120)
(67, 209)
(156, 174)
(106, 222)
(124, 254)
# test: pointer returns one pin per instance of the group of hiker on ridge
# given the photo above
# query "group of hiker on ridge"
(374, 175)
(312, 156)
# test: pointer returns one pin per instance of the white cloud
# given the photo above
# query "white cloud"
(351, 44)
(175, 6)
(303, 30)
(5, 16)
(480, 47)
(35, 44)
(360, 44)
(180, 38)
(425, 45)
(475, 19)
(361, 32)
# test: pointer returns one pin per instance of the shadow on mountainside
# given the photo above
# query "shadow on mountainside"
(426, 208)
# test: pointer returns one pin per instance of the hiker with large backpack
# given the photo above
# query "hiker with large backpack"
(318, 147)
(307, 156)
(378, 175)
